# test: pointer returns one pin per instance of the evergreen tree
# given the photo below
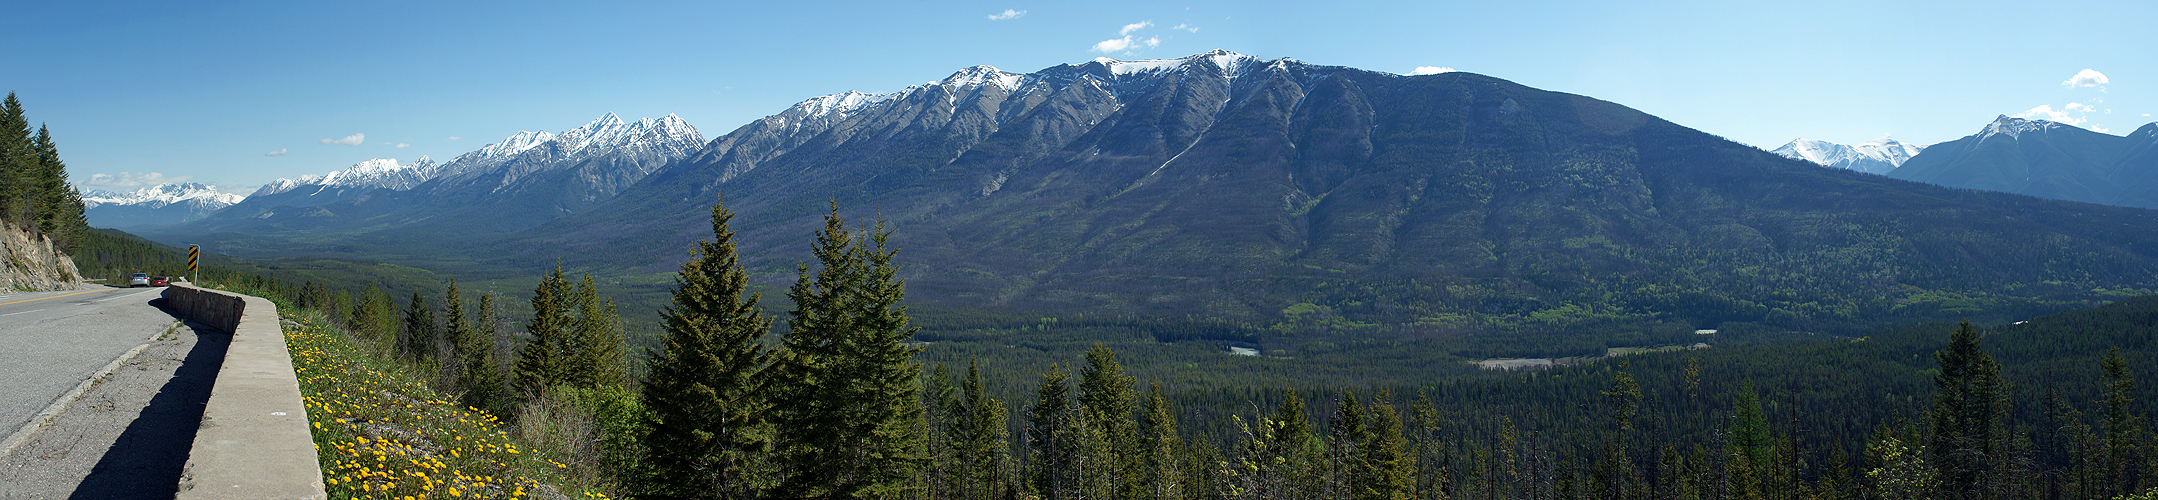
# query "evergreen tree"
(598, 353)
(1160, 449)
(484, 363)
(60, 211)
(1297, 447)
(1108, 458)
(18, 166)
(709, 437)
(1970, 443)
(545, 359)
(417, 339)
(1052, 450)
(978, 437)
(1346, 435)
(476, 375)
(1385, 469)
(2124, 431)
(1749, 428)
(845, 383)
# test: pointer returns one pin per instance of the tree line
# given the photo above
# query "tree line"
(829, 401)
(35, 195)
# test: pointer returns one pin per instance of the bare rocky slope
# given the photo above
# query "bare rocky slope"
(34, 265)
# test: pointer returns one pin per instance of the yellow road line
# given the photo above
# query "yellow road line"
(52, 297)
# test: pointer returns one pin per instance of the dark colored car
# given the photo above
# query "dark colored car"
(160, 281)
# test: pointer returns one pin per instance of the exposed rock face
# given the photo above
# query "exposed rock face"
(33, 265)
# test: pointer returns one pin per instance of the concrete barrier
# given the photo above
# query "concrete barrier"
(254, 442)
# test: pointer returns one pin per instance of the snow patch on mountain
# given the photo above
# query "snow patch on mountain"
(1878, 156)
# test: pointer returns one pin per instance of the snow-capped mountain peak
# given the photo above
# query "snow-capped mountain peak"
(2014, 127)
(375, 173)
(161, 195)
(1875, 157)
(1228, 63)
(983, 75)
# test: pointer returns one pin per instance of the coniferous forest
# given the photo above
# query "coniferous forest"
(34, 192)
(839, 397)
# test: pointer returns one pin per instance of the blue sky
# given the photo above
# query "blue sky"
(207, 93)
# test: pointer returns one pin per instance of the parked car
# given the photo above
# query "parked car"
(160, 281)
(138, 279)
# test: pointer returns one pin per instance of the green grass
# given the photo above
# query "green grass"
(382, 433)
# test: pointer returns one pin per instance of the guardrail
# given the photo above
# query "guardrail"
(254, 442)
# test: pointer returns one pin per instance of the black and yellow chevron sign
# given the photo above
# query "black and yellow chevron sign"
(193, 254)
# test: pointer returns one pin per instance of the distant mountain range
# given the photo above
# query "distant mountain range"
(1876, 157)
(158, 205)
(526, 179)
(2048, 160)
(1222, 187)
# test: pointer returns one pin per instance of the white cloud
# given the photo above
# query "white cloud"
(456, 138)
(1007, 14)
(2086, 78)
(1431, 70)
(403, 145)
(278, 152)
(1128, 42)
(125, 179)
(350, 140)
(1186, 27)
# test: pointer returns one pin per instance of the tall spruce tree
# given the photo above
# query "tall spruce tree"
(978, 437)
(1161, 449)
(2124, 432)
(544, 361)
(484, 363)
(598, 349)
(1970, 442)
(1384, 468)
(709, 437)
(846, 395)
(60, 212)
(1109, 455)
(1052, 450)
(476, 376)
(417, 339)
(18, 166)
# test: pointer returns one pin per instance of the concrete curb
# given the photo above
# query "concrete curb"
(254, 442)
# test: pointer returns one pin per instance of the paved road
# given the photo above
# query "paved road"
(51, 341)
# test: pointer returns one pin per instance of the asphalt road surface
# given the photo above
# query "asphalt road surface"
(51, 341)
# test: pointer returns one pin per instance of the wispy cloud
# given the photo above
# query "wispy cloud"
(350, 140)
(2086, 78)
(403, 145)
(1431, 70)
(1185, 27)
(456, 138)
(1127, 41)
(278, 152)
(2067, 115)
(125, 179)
(1007, 14)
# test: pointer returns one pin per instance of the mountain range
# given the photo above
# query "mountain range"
(1878, 156)
(521, 181)
(2048, 160)
(1273, 194)
(158, 205)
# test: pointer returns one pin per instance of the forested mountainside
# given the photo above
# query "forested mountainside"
(1285, 195)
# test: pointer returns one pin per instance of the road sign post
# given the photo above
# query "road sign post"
(194, 255)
